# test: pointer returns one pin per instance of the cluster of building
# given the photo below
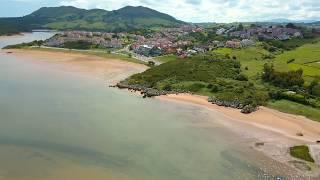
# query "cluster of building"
(166, 41)
(236, 44)
(175, 40)
(107, 40)
(267, 33)
(172, 41)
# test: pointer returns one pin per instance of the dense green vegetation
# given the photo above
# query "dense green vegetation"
(282, 79)
(209, 75)
(71, 18)
(288, 44)
(301, 152)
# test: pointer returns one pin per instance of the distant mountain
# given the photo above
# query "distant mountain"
(315, 23)
(71, 18)
(283, 20)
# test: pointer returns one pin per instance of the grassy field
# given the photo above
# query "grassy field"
(167, 58)
(252, 59)
(296, 108)
(306, 57)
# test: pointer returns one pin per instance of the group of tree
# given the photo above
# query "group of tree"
(314, 88)
(282, 79)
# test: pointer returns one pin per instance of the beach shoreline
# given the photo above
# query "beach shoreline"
(278, 130)
(111, 70)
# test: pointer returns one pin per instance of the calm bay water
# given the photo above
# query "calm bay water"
(60, 125)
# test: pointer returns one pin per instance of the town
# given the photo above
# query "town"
(182, 41)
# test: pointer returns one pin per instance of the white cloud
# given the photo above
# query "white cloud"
(213, 10)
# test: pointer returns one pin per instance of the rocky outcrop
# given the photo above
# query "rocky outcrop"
(246, 109)
(151, 92)
(145, 91)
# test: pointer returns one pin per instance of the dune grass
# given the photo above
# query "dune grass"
(301, 152)
(295, 108)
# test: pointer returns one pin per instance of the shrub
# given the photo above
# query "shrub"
(167, 87)
(150, 63)
(314, 88)
(215, 88)
(242, 77)
(195, 87)
(210, 86)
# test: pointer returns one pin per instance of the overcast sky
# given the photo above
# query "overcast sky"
(187, 10)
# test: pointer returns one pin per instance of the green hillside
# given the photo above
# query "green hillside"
(208, 75)
(71, 18)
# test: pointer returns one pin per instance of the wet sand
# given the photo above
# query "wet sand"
(111, 70)
(277, 131)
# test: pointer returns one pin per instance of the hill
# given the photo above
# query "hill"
(72, 18)
(206, 74)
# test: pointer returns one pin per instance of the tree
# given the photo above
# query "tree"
(314, 88)
(253, 25)
(291, 25)
(240, 27)
(151, 63)
(267, 72)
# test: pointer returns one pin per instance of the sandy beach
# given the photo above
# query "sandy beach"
(111, 70)
(266, 118)
(276, 130)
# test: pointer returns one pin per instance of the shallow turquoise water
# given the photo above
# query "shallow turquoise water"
(52, 120)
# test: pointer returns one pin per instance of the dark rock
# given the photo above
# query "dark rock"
(233, 104)
(248, 109)
(299, 134)
(258, 144)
